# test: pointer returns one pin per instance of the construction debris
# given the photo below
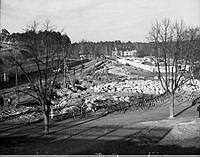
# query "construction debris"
(109, 86)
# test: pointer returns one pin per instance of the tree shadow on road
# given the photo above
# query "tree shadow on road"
(185, 109)
(110, 139)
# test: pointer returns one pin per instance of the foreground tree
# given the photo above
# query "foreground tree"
(172, 56)
(38, 50)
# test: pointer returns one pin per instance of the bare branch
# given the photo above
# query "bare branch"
(48, 26)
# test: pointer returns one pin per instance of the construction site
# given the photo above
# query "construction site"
(100, 77)
(106, 104)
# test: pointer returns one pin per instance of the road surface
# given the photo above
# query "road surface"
(115, 133)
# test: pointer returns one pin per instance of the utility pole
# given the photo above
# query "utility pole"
(81, 65)
(64, 66)
(16, 79)
(106, 54)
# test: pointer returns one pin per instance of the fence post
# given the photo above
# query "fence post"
(51, 115)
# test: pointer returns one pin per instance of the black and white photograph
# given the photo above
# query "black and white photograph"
(100, 77)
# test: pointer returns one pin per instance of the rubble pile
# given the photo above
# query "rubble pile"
(133, 86)
(120, 94)
(15, 112)
(192, 86)
(27, 118)
(19, 114)
(111, 103)
(125, 102)
(107, 88)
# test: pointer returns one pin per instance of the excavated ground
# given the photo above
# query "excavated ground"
(129, 100)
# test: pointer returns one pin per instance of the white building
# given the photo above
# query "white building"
(119, 53)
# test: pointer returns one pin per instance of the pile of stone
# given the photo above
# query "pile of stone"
(112, 93)
(109, 87)
(15, 112)
(193, 85)
(63, 92)
(27, 118)
(70, 109)
(133, 86)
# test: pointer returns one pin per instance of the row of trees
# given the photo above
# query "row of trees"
(34, 39)
(102, 48)
(178, 46)
(85, 47)
(40, 38)
(106, 47)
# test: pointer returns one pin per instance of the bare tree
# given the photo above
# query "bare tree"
(193, 46)
(47, 26)
(41, 87)
(169, 42)
(33, 27)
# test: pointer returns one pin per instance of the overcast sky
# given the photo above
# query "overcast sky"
(96, 20)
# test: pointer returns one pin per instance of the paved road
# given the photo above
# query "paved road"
(111, 133)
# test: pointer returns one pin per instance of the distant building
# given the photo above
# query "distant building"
(126, 53)
(87, 56)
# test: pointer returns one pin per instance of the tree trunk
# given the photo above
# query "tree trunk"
(46, 122)
(172, 106)
(46, 117)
